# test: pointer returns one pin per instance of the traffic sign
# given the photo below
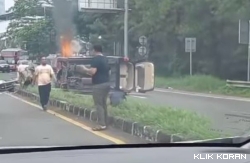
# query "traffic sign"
(142, 50)
(143, 40)
(190, 45)
(243, 32)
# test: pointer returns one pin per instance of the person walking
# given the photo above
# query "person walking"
(43, 77)
(20, 73)
(100, 79)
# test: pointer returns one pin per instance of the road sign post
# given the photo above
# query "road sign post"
(190, 47)
(244, 38)
(126, 28)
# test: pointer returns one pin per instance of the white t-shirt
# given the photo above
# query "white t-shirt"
(44, 74)
(21, 68)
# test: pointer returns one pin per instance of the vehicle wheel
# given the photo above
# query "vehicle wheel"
(3, 71)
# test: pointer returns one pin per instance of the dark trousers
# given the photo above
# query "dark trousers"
(100, 96)
(44, 93)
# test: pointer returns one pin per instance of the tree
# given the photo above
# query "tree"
(26, 8)
(38, 37)
(166, 24)
(30, 29)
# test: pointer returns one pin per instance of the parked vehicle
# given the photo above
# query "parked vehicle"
(12, 55)
(4, 66)
(12, 65)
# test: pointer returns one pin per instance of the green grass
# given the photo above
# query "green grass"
(201, 83)
(170, 120)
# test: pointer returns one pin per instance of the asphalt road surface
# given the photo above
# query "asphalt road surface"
(22, 124)
(228, 115)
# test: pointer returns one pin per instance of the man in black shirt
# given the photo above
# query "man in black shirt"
(100, 78)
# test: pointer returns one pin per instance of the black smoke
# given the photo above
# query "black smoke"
(63, 15)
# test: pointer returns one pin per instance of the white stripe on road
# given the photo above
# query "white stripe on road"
(203, 95)
(138, 96)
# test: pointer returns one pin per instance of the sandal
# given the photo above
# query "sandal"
(99, 128)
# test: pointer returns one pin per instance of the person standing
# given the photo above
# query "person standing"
(100, 79)
(43, 76)
(20, 72)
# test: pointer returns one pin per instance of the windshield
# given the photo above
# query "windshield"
(136, 72)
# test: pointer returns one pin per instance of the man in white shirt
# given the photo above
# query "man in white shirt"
(43, 77)
(20, 72)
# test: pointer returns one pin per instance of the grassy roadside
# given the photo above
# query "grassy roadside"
(172, 121)
(201, 83)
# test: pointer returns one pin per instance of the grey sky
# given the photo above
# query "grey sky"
(8, 4)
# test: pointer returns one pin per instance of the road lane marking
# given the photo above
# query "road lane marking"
(81, 125)
(141, 97)
(203, 95)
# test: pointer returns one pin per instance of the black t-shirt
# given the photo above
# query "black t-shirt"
(102, 73)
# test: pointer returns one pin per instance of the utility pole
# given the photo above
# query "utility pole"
(126, 28)
(248, 57)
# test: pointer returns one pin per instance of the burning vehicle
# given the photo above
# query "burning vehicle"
(125, 75)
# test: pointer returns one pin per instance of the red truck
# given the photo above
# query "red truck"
(12, 55)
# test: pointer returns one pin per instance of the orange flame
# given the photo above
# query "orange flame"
(66, 47)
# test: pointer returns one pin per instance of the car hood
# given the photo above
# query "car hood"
(3, 64)
(2, 81)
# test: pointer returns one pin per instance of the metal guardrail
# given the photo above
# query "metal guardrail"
(239, 84)
(7, 85)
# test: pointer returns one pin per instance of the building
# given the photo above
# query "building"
(100, 5)
(2, 7)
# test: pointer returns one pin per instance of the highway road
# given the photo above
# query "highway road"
(230, 115)
(25, 124)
